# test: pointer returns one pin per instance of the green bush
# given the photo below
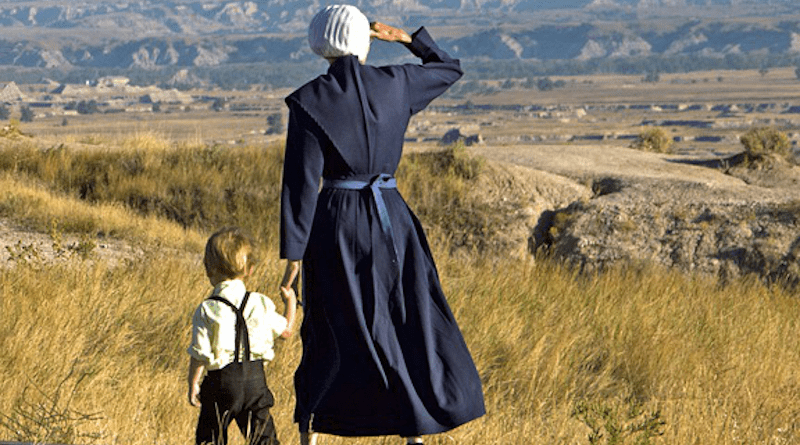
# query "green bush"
(762, 143)
(653, 139)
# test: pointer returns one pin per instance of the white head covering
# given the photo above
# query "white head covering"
(339, 30)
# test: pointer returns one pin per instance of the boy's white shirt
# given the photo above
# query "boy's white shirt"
(214, 326)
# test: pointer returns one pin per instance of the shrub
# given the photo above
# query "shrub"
(87, 107)
(652, 77)
(653, 139)
(275, 124)
(12, 130)
(437, 184)
(26, 114)
(547, 84)
(763, 143)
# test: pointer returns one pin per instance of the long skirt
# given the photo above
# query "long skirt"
(382, 352)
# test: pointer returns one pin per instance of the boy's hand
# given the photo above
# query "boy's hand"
(194, 394)
(196, 370)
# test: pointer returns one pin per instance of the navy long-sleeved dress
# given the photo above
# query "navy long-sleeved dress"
(382, 353)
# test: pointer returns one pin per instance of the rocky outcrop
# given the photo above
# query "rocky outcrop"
(620, 206)
(691, 226)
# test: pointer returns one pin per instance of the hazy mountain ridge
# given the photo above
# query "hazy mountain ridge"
(149, 34)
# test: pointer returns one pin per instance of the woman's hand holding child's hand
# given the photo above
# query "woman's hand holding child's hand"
(289, 298)
(288, 295)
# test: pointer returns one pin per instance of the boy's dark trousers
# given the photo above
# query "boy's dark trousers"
(236, 392)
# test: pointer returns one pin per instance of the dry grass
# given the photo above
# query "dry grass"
(766, 145)
(196, 186)
(96, 354)
(445, 206)
(39, 209)
(653, 139)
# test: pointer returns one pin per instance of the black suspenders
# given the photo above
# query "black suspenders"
(241, 326)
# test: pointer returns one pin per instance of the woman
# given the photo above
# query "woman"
(382, 353)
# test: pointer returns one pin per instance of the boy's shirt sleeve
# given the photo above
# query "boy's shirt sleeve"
(265, 328)
(200, 348)
(277, 322)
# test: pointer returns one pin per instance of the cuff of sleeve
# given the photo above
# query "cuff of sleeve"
(421, 43)
(292, 251)
(197, 355)
(281, 326)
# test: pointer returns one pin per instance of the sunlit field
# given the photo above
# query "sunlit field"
(93, 351)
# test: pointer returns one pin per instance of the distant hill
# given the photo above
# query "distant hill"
(151, 34)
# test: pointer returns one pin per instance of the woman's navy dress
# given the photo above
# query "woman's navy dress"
(382, 353)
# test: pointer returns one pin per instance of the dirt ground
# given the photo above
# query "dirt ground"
(587, 163)
(21, 245)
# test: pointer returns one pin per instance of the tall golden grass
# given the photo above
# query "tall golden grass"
(93, 353)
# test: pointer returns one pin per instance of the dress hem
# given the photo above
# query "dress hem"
(359, 427)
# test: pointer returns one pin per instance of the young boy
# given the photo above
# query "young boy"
(232, 333)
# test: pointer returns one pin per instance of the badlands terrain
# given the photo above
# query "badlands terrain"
(560, 165)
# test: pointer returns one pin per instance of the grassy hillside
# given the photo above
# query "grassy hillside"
(95, 352)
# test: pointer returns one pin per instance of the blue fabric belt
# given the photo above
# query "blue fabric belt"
(382, 181)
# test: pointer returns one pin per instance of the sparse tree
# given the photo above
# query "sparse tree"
(529, 83)
(218, 104)
(471, 86)
(545, 84)
(274, 123)
(87, 107)
(652, 77)
(26, 114)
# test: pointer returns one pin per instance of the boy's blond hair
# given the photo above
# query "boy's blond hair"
(229, 254)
